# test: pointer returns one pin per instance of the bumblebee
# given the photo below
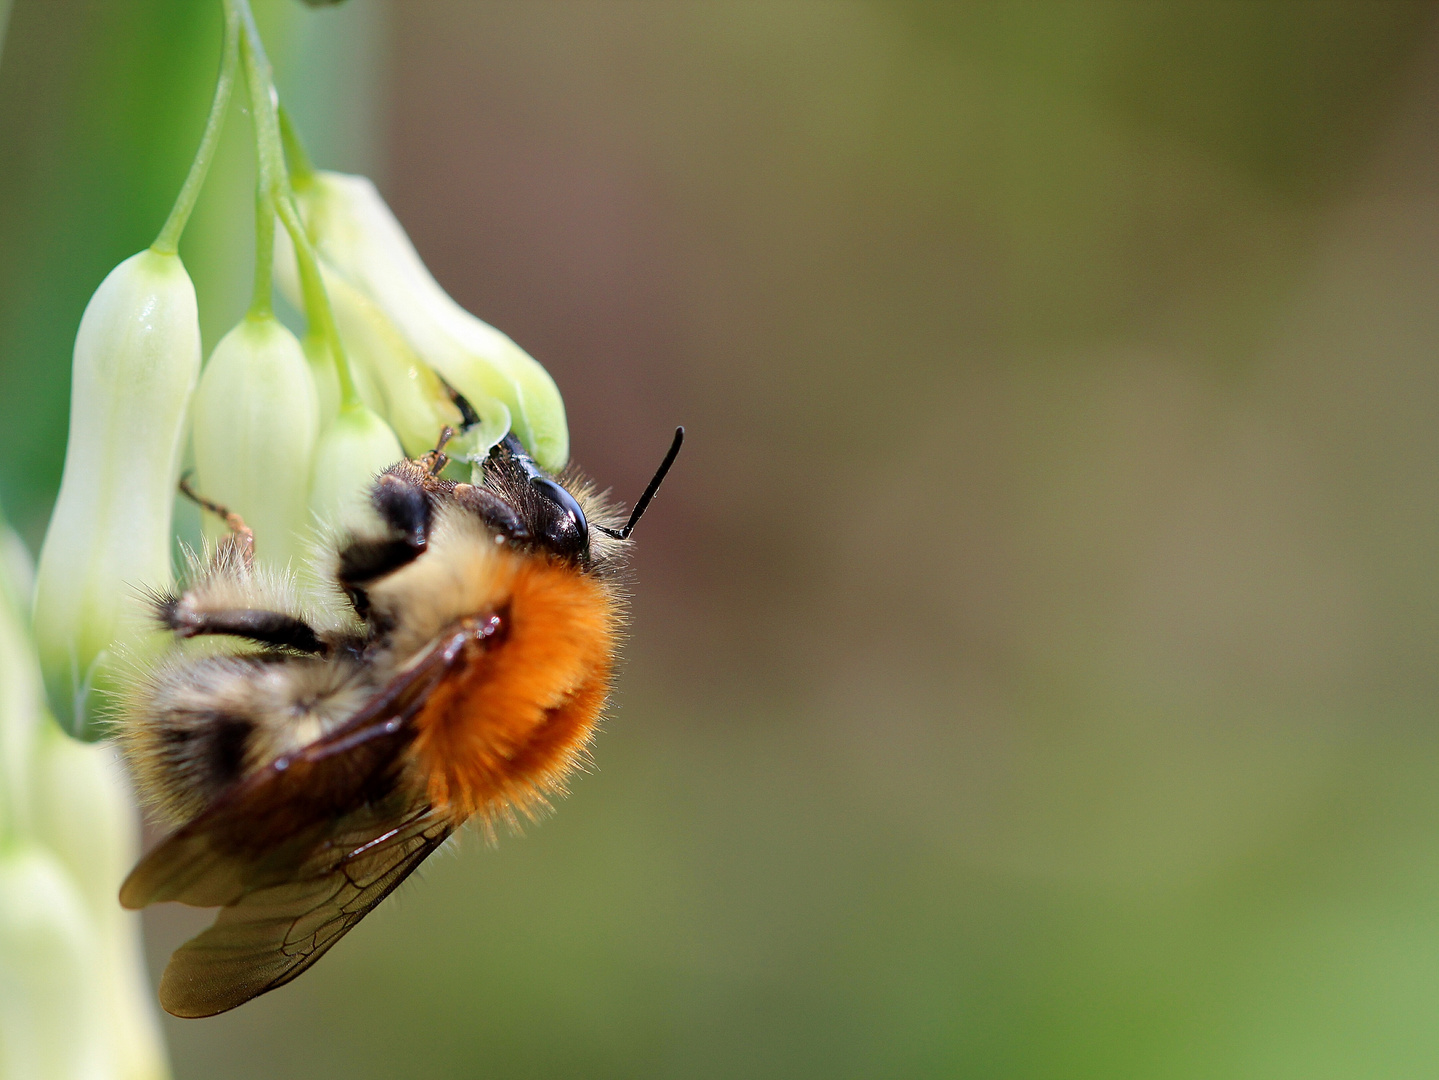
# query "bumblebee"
(326, 750)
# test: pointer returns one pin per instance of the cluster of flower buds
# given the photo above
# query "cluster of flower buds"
(286, 433)
(402, 321)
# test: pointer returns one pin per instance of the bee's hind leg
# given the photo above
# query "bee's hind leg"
(226, 598)
(273, 628)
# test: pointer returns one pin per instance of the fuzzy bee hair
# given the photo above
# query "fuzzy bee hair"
(298, 664)
(452, 666)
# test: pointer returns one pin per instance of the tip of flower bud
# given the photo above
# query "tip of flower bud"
(355, 449)
(542, 425)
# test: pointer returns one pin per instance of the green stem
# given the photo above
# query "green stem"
(302, 172)
(168, 242)
(261, 81)
(275, 180)
(317, 300)
(260, 301)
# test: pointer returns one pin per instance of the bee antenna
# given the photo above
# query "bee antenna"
(654, 486)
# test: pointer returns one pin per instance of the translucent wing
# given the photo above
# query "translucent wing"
(273, 934)
(300, 851)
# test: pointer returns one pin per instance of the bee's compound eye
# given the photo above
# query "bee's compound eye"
(565, 530)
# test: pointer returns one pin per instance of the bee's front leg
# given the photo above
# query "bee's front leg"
(403, 512)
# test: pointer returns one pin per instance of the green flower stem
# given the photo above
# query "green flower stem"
(260, 302)
(263, 98)
(275, 178)
(302, 171)
(168, 242)
(270, 171)
(317, 301)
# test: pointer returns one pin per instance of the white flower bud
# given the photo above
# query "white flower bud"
(358, 235)
(17, 569)
(352, 452)
(20, 691)
(136, 359)
(85, 815)
(392, 379)
(256, 422)
(52, 1020)
(327, 378)
(74, 1000)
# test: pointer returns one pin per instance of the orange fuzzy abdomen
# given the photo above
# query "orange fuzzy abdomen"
(509, 726)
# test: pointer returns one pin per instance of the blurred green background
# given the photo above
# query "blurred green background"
(1033, 663)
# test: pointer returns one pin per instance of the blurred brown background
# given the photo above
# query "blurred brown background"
(1033, 662)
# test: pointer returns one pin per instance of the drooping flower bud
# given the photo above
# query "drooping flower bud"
(357, 234)
(413, 399)
(21, 695)
(391, 379)
(326, 376)
(352, 452)
(85, 815)
(73, 993)
(256, 423)
(52, 1019)
(46, 938)
(137, 356)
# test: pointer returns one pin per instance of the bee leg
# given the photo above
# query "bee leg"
(436, 459)
(226, 596)
(273, 628)
(241, 538)
(404, 507)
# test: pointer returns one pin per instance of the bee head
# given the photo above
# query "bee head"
(540, 511)
(536, 510)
